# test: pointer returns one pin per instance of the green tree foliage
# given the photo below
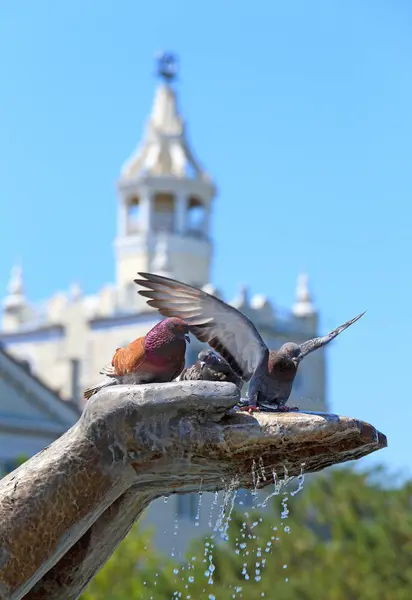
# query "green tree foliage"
(134, 571)
(346, 537)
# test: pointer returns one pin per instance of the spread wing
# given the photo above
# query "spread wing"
(318, 342)
(224, 328)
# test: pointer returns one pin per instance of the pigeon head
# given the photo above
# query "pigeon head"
(209, 358)
(291, 351)
(168, 330)
(282, 365)
(178, 327)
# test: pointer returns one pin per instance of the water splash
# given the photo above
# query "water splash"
(223, 529)
(251, 550)
(199, 506)
(279, 484)
(244, 572)
(301, 481)
(229, 497)
(212, 507)
(208, 558)
(175, 532)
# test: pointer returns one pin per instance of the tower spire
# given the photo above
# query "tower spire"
(165, 196)
(164, 150)
(303, 306)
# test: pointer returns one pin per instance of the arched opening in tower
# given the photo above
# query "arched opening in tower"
(196, 216)
(164, 212)
(133, 214)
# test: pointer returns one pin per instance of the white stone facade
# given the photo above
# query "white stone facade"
(32, 416)
(164, 211)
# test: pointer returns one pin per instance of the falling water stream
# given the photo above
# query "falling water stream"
(247, 543)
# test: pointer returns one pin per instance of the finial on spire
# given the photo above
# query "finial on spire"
(15, 297)
(244, 293)
(167, 66)
(15, 285)
(75, 291)
(242, 300)
(303, 306)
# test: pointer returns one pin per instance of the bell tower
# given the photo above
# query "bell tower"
(164, 196)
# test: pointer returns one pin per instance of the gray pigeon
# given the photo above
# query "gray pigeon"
(229, 332)
(210, 367)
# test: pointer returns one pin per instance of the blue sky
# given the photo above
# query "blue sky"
(302, 113)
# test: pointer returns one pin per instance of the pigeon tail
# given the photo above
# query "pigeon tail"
(90, 391)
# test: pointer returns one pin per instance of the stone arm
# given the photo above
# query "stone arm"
(64, 511)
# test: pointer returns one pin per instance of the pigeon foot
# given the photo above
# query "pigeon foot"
(250, 408)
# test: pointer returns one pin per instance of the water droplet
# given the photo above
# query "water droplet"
(285, 566)
(191, 579)
(211, 597)
(286, 529)
(258, 578)
(175, 571)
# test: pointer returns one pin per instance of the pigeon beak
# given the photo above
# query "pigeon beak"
(187, 338)
(202, 365)
(295, 361)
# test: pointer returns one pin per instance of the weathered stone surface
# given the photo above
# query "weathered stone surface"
(79, 565)
(74, 502)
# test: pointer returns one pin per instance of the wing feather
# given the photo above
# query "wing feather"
(211, 320)
(108, 370)
(318, 342)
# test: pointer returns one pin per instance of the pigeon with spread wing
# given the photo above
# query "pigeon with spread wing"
(229, 332)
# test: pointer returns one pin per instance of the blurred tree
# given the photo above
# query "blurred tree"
(134, 571)
(346, 537)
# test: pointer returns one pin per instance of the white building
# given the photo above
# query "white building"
(163, 214)
(32, 415)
